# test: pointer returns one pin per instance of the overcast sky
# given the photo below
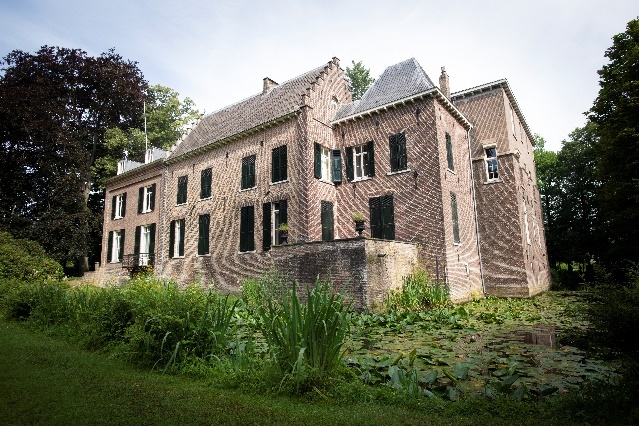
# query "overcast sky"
(218, 52)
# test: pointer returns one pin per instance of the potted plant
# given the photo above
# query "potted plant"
(358, 218)
(283, 228)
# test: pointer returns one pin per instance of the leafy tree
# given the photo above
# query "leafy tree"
(546, 166)
(359, 79)
(616, 112)
(55, 107)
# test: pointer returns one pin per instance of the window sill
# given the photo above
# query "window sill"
(181, 204)
(399, 172)
(118, 218)
(328, 182)
(362, 179)
(146, 211)
(488, 182)
(203, 255)
(279, 182)
(247, 252)
(114, 263)
(204, 199)
(452, 171)
(178, 257)
(457, 244)
(248, 189)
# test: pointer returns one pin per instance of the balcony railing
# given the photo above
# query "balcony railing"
(134, 260)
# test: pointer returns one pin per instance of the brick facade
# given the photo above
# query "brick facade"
(438, 201)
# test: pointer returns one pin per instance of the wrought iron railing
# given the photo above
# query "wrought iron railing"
(140, 259)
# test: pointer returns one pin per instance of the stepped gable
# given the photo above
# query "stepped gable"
(397, 82)
(261, 108)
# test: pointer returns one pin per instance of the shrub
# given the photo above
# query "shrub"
(418, 292)
(259, 292)
(306, 340)
(25, 260)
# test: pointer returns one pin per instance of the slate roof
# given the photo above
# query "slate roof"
(249, 113)
(397, 82)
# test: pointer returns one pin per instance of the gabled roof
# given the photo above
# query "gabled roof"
(499, 84)
(252, 112)
(399, 81)
(398, 84)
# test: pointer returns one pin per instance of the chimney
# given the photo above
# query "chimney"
(268, 85)
(444, 85)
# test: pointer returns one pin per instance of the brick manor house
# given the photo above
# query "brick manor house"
(446, 177)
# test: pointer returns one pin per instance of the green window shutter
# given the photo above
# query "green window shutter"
(266, 226)
(388, 217)
(152, 238)
(328, 233)
(375, 217)
(392, 149)
(369, 163)
(336, 161)
(275, 169)
(203, 234)
(152, 201)
(317, 160)
(245, 173)
(283, 211)
(278, 160)
(402, 160)
(124, 204)
(138, 232)
(453, 206)
(251, 171)
(449, 152)
(182, 186)
(350, 173)
(121, 252)
(140, 199)
(247, 232)
(283, 163)
(115, 197)
(109, 247)
(182, 234)
(205, 183)
(171, 239)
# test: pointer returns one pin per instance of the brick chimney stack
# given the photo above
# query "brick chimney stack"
(268, 85)
(444, 84)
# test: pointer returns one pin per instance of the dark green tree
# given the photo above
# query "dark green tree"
(55, 107)
(616, 113)
(546, 166)
(359, 79)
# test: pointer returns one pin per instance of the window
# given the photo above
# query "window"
(118, 206)
(273, 214)
(176, 238)
(145, 244)
(182, 186)
(148, 156)
(278, 164)
(248, 172)
(382, 217)
(116, 246)
(360, 162)
(512, 121)
(336, 158)
(146, 199)
(492, 171)
(449, 153)
(397, 147)
(526, 222)
(453, 208)
(322, 163)
(205, 183)
(328, 231)
(204, 223)
(247, 231)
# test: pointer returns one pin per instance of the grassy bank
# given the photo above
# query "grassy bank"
(47, 381)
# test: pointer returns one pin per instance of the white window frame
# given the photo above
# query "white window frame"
(488, 160)
(146, 203)
(325, 161)
(275, 222)
(358, 162)
(145, 241)
(118, 206)
(177, 239)
(148, 156)
(115, 247)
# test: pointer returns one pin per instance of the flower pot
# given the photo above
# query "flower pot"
(283, 237)
(359, 227)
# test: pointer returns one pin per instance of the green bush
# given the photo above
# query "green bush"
(25, 260)
(418, 292)
(258, 292)
(306, 340)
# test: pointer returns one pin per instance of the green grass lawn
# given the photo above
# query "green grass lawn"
(47, 381)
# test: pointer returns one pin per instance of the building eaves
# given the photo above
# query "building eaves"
(143, 168)
(498, 84)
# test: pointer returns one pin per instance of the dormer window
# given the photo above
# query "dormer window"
(121, 165)
(334, 102)
(148, 156)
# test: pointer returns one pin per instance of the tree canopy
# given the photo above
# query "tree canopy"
(359, 79)
(616, 113)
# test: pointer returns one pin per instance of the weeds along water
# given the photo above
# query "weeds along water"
(418, 345)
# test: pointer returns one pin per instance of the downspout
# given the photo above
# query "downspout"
(472, 187)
